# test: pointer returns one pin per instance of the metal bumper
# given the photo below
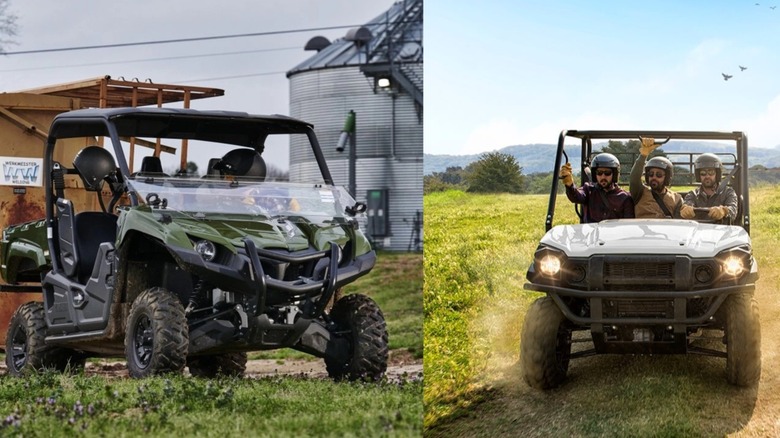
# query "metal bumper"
(680, 299)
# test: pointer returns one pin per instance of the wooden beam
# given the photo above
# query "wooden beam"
(24, 124)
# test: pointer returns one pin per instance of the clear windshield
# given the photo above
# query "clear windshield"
(209, 197)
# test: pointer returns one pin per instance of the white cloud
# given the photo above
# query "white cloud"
(762, 130)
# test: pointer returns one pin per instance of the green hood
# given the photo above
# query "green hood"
(230, 230)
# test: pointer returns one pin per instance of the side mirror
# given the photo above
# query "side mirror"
(356, 209)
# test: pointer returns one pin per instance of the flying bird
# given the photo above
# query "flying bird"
(726, 77)
(772, 7)
(742, 68)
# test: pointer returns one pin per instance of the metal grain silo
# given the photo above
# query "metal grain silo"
(376, 71)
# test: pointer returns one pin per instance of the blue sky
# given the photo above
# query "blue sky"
(502, 73)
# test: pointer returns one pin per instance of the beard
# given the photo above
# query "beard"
(657, 185)
(708, 184)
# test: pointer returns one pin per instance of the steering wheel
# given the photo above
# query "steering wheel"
(704, 212)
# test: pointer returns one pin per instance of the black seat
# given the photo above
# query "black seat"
(211, 172)
(92, 228)
(151, 166)
(242, 163)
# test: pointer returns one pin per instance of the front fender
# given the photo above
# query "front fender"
(21, 250)
(155, 225)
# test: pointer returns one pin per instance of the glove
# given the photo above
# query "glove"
(648, 146)
(566, 175)
(686, 211)
(718, 213)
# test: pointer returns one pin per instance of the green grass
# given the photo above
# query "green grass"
(477, 251)
(278, 406)
(56, 405)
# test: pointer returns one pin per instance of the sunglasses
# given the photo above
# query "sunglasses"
(604, 172)
(659, 174)
(707, 172)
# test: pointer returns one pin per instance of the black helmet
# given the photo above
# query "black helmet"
(608, 161)
(662, 163)
(708, 161)
(242, 162)
(94, 164)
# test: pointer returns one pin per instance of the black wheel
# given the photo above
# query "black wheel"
(545, 345)
(359, 319)
(25, 347)
(156, 336)
(228, 364)
(743, 340)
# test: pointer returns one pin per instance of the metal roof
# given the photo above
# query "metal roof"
(385, 46)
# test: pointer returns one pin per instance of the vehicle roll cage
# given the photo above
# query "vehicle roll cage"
(734, 163)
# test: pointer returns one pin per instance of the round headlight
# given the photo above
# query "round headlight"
(578, 274)
(733, 266)
(550, 265)
(206, 249)
(703, 274)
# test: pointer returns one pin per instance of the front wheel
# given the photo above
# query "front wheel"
(545, 345)
(359, 318)
(156, 336)
(25, 347)
(743, 340)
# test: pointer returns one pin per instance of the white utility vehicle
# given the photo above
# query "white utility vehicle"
(646, 286)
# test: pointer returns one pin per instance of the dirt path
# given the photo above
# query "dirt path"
(402, 365)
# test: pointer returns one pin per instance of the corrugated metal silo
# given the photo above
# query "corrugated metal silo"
(344, 76)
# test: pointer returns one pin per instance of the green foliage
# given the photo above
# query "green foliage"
(192, 168)
(495, 172)
(540, 183)
(56, 405)
(452, 178)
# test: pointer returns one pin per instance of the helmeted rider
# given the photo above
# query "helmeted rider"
(719, 198)
(653, 199)
(604, 199)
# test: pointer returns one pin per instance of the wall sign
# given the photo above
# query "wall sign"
(21, 171)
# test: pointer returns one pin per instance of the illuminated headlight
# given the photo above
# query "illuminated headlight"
(206, 249)
(550, 265)
(733, 266)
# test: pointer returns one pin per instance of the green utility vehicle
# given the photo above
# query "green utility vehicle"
(181, 269)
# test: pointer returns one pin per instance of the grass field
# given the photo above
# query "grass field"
(478, 248)
(69, 405)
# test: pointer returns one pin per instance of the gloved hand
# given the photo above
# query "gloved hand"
(566, 175)
(686, 211)
(718, 213)
(648, 146)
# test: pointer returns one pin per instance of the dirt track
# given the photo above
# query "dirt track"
(401, 365)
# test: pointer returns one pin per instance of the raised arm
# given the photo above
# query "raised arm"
(635, 183)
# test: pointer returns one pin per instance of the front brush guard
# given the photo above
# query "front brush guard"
(257, 275)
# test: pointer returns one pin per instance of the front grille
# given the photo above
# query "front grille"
(643, 308)
(639, 270)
